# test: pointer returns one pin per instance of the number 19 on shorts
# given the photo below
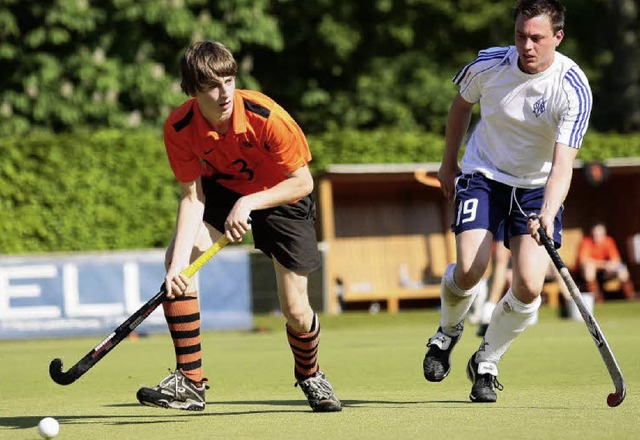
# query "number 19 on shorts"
(467, 211)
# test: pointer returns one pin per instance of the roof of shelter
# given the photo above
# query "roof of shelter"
(432, 167)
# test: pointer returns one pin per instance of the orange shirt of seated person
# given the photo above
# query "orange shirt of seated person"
(599, 260)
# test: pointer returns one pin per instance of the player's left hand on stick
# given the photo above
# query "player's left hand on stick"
(175, 284)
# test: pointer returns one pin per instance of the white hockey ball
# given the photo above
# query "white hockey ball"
(48, 427)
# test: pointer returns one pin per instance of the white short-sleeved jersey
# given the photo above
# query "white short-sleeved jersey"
(522, 115)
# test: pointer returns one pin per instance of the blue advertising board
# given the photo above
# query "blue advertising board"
(92, 293)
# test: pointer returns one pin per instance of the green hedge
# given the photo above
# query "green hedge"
(379, 146)
(601, 146)
(115, 190)
(389, 146)
(105, 190)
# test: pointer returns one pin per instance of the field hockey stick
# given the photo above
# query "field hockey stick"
(111, 341)
(614, 399)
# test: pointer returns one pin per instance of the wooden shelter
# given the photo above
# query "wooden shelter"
(387, 237)
(386, 233)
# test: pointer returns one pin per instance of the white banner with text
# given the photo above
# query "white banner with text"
(76, 294)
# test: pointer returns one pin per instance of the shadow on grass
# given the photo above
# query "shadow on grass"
(175, 416)
(349, 404)
(304, 407)
(162, 415)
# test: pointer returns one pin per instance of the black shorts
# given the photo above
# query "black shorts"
(286, 232)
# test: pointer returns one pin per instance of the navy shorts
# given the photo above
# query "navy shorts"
(481, 203)
(286, 232)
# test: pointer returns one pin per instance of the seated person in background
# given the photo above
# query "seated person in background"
(599, 260)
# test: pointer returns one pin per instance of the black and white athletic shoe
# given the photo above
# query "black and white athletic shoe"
(437, 361)
(320, 394)
(484, 377)
(175, 391)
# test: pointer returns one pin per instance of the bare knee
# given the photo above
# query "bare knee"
(466, 277)
(474, 251)
(526, 290)
(294, 300)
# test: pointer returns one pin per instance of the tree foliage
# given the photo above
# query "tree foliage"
(73, 63)
(357, 64)
(365, 64)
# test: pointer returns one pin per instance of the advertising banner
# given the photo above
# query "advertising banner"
(92, 293)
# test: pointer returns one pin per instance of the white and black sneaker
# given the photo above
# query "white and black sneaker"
(484, 376)
(437, 361)
(320, 394)
(175, 391)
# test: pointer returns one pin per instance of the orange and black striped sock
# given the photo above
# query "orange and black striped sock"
(183, 318)
(304, 347)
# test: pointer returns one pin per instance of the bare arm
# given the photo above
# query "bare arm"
(190, 212)
(557, 187)
(297, 185)
(457, 125)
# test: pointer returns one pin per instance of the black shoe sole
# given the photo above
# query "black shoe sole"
(328, 407)
(476, 400)
(429, 375)
(148, 399)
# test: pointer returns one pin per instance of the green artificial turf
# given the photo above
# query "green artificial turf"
(555, 384)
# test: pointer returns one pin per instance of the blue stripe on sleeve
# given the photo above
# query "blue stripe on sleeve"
(484, 57)
(584, 106)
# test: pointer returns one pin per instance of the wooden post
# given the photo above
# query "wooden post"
(327, 231)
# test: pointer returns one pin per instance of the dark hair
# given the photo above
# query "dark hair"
(533, 8)
(204, 64)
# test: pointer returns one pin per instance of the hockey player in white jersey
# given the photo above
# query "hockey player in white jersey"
(535, 105)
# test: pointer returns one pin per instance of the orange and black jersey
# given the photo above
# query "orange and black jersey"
(262, 146)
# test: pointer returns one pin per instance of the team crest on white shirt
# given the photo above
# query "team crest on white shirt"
(539, 106)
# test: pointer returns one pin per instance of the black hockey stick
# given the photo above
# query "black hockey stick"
(111, 341)
(614, 399)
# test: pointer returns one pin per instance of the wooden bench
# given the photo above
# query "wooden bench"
(371, 269)
(389, 269)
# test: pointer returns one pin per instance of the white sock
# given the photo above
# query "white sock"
(487, 310)
(454, 302)
(509, 319)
